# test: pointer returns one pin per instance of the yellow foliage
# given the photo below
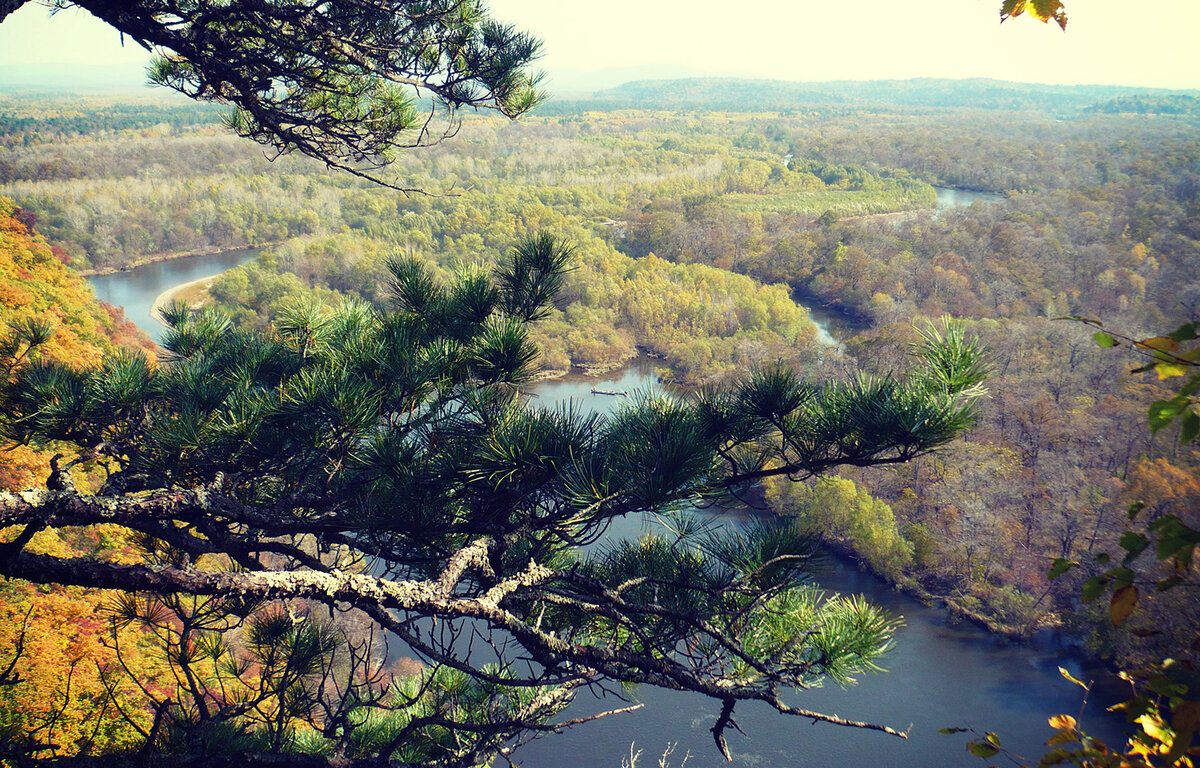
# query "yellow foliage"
(65, 661)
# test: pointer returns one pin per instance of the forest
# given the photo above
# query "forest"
(703, 225)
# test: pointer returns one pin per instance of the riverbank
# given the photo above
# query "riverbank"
(145, 290)
(954, 606)
(160, 258)
(839, 324)
(180, 292)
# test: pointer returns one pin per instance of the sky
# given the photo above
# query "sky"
(1116, 42)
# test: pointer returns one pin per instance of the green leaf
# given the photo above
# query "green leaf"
(1175, 539)
(1185, 722)
(952, 730)
(1162, 412)
(1120, 576)
(1135, 508)
(1165, 686)
(1093, 588)
(1133, 543)
(1060, 566)
(982, 749)
(1103, 339)
(1193, 383)
(1189, 427)
(1185, 332)
(1133, 708)
(1056, 756)
(1169, 583)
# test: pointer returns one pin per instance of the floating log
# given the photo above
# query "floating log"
(613, 392)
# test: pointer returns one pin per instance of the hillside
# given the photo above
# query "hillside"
(751, 95)
(35, 284)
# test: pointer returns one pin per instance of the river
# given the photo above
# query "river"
(941, 674)
(136, 289)
(954, 198)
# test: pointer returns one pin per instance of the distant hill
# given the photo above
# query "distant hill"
(72, 78)
(563, 81)
(740, 95)
(1152, 104)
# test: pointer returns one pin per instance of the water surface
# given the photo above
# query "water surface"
(136, 289)
(940, 674)
(953, 198)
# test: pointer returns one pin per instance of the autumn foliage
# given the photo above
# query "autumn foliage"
(63, 689)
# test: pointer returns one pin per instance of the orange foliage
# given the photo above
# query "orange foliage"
(1165, 488)
(61, 696)
(34, 284)
(22, 467)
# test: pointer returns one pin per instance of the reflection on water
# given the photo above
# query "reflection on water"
(137, 289)
(940, 674)
(953, 198)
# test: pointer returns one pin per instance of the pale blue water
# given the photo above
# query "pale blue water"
(953, 198)
(136, 289)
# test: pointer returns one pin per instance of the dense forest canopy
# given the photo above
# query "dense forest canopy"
(696, 235)
(742, 95)
(382, 464)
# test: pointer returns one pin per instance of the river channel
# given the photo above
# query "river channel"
(136, 289)
(940, 673)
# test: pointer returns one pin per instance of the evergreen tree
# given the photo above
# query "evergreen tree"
(348, 83)
(385, 466)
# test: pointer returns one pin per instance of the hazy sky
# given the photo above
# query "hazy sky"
(1155, 44)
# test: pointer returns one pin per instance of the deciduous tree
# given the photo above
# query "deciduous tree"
(384, 466)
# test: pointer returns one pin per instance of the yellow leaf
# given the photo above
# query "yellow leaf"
(1123, 601)
(1155, 728)
(1062, 722)
(1072, 678)
(1162, 343)
(1169, 370)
